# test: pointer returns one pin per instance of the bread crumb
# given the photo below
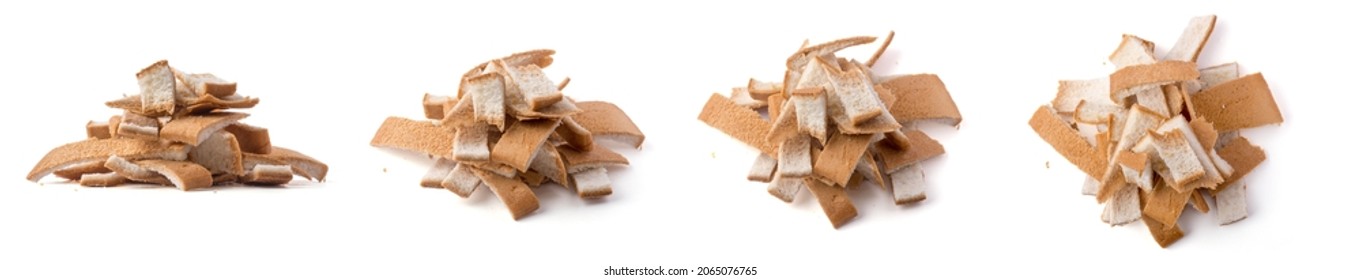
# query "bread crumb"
(1046, 164)
(713, 155)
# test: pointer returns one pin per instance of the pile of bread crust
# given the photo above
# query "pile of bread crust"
(179, 130)
(511, 128)
(832, 124)
(1161, 133)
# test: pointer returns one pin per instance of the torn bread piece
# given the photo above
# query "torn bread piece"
(909, 184)
(835, 202)
(157, 82)
(193, 130)
(434, 178)
(108, 179)
(763, 170)
(265, 174)
(592, 183)
(607, 121)
(1163, 125)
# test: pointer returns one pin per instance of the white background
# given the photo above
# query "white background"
(1001, 202)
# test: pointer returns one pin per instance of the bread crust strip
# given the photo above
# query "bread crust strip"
(521, 140)
(196, 128)
(606, 120)
(737, 121)
(417, 136)
(1067, 142)
(922, 97)
(834, 201)
(99, 149)
(517, 196)
(837, 161)
(1242, 103)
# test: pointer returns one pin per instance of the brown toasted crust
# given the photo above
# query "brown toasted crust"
(598, 157)
(74, 172)
(97, 130)
(834, 201)
(1156, 73)
(138, 126)
(575, 134)
(1243, 157)
(1164, 234)
(921, 96)
(1165, 204)
(921, 147)
(1133, 160)
(837, 161)
(517, 196)
(880, 52)
(737, 121)
(1198, 201)
(268, 175)
(1067, 142)
(416, 136)
(184, 175)
(104, 179)
(134, 171)
(100, 149)
(1242, 103)
(434, 106)
(773, 105)
(606, 119)
(301, 164)
(208, 103)
(253, 139)
(1205, 133)
(196, 128)
(521, 140)
(550, 164)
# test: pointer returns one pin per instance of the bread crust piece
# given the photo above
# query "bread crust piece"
(196, 128)
(98, 130)
(184, 175)
(1132, 51)
(107, 179)
(220, 153)
(74, 172)
(488, 92)
(521, 140)
(269, 175)
(434, 105)
(1192, 40)
(1242, 103)
(606, 121)
(737, 121)
(1125, 82)
(575, 134)
(838, 160)
(577, 161)
(252, 139)
(99, 149)
(1066, 141)
(920, 147)
(922, 97)
(1243, 156)
(592, 183)
(416, 136)
(834, 201)
(513, 193)
(157, 83)
(301, 164)
(1165, 205)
